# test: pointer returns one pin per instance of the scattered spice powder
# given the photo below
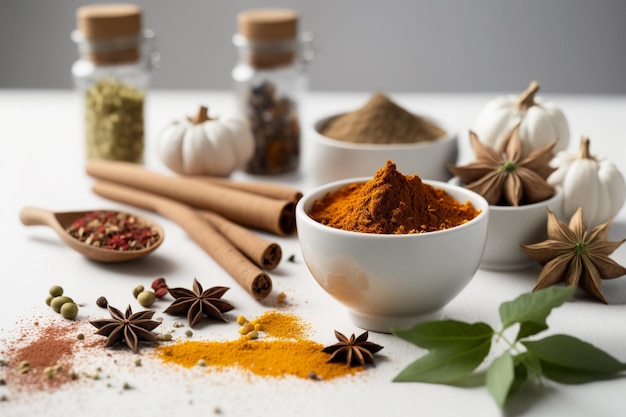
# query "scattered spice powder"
(381, 120)
(49, 351)
(113, 230)
(391, 203)
(284, 351)
(283, 325)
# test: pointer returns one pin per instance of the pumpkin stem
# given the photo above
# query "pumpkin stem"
(527, 99)
(201, 117)
(584, 149)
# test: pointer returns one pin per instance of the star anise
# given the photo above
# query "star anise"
(197, 303)
(129, 327)
(352, 351)
(576, 256)
(503, 176)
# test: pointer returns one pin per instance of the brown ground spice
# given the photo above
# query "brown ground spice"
(381, 120)
(391, 203)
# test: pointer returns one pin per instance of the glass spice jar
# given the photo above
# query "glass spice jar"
(113, 73)
(269, 81)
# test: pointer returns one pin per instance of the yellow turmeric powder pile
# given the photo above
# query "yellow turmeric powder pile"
(391, 203)
(283, 325)
(283, 351)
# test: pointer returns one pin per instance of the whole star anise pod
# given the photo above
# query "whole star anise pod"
(129, 327)
(197, 303)
(503, 177)
(352, 351)
(575, 256)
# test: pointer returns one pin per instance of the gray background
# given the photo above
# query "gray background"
(569, 46)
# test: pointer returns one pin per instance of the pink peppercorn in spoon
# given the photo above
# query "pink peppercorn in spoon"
(101, 235)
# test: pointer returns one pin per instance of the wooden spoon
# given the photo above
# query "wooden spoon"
(60, 221)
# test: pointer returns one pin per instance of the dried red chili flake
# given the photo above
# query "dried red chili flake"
(160, 287)
(113, 230)
(158, 283)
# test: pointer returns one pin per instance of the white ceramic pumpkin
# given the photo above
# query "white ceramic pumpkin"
(206, 146)
(593, 183)
(541, 123)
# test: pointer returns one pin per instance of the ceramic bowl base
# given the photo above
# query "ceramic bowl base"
(384, 324)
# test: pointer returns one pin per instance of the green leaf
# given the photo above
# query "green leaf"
(446, 333)
(530, 363)
(569, 360)
(500, 377)
(521, 375)
(446, 365)
(530, 310)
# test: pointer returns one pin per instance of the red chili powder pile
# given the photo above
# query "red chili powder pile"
(41, 358)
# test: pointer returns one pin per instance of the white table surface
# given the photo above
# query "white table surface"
(41, 163)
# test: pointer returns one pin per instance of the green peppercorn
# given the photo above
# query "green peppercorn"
(49, 299)
(56, 291)
(69, 311)
(137, 290)
(80, 336)
(146, 298)
(57, 302)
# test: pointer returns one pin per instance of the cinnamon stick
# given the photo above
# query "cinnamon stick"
(247, 209)
(246, 273)
(266, 189)
(264, 254)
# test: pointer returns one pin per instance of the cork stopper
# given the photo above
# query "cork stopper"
(111, 31)
(271, 35)
(268, 24)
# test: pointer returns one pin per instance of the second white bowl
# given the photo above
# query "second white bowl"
(333, 159)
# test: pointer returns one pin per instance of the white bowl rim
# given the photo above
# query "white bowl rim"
(304, 216)
(451, 135)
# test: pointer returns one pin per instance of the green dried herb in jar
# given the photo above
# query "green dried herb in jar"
(113, 72)
(114, 121)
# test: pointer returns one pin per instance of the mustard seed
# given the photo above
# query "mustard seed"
(137, 290)
(57, 302)
(146, 298)
(69, 311)
(56, 291)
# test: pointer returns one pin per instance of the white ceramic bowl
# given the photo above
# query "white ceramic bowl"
(509, 227)
(390, 281)
(332, 159)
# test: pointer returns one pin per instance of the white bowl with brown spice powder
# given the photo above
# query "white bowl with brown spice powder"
(392, 249)
(357, 143)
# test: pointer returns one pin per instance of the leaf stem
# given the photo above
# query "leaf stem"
(512, 346)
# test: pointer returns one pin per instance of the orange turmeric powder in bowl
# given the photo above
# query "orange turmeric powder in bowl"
(393, 249)
(391, 203)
